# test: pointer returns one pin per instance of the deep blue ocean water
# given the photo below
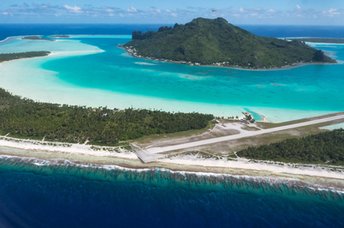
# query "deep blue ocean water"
(60, 196)
(64, 196)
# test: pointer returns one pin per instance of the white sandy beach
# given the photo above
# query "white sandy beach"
(64, 148)
(248, 165)
(119, 157)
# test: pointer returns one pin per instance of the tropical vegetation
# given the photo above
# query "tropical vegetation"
(217, 42)
(21, 55)
(25, 118)
(322, 148)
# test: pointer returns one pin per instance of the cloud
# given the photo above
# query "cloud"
(155, 10)
(109, 13)
(132, 9)
(332, 12)
(27, 10)
(73, 9)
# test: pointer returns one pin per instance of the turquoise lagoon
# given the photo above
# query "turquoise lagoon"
(94, 71)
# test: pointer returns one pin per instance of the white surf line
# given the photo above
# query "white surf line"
(6, 39)
(157, 150)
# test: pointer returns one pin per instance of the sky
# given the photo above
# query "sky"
(278, 12)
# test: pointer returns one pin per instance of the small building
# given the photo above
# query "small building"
(247, 117)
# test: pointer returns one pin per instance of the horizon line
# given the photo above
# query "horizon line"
(105, 23)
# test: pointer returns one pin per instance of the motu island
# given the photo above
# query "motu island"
(217, 42)
(178, 141)
(12, 56)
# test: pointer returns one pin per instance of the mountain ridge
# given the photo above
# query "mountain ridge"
(217, 42)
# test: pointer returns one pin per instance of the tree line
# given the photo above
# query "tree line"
(101, 126)
(12, 56)
(323, 148)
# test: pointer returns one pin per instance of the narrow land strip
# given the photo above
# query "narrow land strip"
(246, 134)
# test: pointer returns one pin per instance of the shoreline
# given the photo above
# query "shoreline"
(287, 67)
(290, 181)
(330, 178)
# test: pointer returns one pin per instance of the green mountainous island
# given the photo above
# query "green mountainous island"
(217, 42)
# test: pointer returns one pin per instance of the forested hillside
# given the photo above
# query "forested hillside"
(217, 42)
